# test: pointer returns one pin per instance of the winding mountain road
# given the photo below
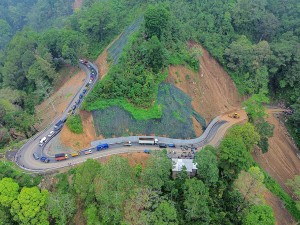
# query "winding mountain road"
(25, 160)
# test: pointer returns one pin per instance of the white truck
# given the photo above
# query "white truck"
(148, 141)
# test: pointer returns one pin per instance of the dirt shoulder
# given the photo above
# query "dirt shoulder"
(53, 106)
(281, 160)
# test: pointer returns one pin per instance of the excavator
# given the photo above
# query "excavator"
(234, 115)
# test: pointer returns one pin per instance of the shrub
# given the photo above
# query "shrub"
(74, 123)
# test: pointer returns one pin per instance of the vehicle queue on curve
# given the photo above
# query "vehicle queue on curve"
(59, 125)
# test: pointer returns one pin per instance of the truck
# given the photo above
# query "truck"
(148, 141)
(61, 156)
(102, 147)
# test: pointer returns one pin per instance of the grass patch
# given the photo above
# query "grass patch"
(178, 117)
(155, 112)
(74, 123)
(68, 95)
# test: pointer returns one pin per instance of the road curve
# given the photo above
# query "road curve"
(24, 157)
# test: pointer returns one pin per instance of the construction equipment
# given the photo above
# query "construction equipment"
(234, 115)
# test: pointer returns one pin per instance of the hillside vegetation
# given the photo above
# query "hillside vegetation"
(257, 42)
(227, 190)
(30, 61)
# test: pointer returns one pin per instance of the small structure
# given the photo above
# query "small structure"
(191, 167)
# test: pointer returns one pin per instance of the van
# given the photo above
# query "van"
(35, 156)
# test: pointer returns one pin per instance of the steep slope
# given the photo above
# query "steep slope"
(212, 90)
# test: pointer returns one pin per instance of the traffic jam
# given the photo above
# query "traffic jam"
(59, 125)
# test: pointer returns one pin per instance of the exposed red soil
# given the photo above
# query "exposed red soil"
(281, 160)
(79, 141)
(211, 89)
(133, 158)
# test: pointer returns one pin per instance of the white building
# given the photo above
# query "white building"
(191, 167)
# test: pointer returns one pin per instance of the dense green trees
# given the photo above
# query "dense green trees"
(260, 215)
(207, 166)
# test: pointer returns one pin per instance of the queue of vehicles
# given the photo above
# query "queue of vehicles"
(59, 125)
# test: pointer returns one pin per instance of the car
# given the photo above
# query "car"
(147, 151)
(45, 159)
(84, 91)
(75, 154)
(162, 145)
(127, 143)
(171, 145)
(90, 81)
(73, 107)
(78, 101)
(91, 78)
(51, 134)
(87, 85)
(87, 152)
(35, 156)
(81, 96)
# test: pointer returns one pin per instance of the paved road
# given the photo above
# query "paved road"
(24, 157)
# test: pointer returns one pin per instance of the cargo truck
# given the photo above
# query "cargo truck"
(148, 141)
(61, 156)
(102, 147)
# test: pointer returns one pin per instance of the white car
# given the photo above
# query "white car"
(51, 134)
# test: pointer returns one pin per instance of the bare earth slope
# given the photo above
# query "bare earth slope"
(281, 161)
(212, 90)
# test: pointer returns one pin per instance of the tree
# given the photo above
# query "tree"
(99, 21)
(196, 202)
(247, 133)
(29, 207)
(5, 33)
(154, 54)
(84, 179)
(295, 185)
(112, 191)
(61, 207)
(234, 156)
(265, 131)
(164, 214)
(9, 191)
(254, 106)
(156, 20)
(250, 185)
(260, 215)
(157, 171)
(207, 166)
